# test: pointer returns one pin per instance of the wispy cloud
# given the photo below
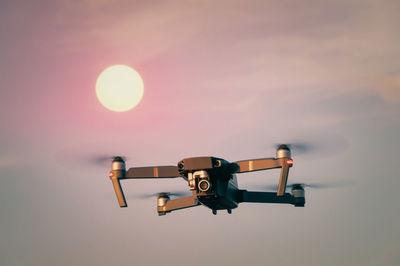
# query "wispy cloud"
(8, 160)
(390, 89)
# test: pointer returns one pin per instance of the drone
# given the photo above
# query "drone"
(213, 182)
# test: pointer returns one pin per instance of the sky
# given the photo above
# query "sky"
(221, 78)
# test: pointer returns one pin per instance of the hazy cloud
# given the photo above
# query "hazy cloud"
(8, 160)
(390, 89)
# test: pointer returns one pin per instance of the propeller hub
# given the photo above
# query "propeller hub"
(298, 195)
(118, 164)
(283, 151)
(162, 199)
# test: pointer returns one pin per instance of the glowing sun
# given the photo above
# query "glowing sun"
(119, 88)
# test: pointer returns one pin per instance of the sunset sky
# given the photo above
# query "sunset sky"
(221, 78)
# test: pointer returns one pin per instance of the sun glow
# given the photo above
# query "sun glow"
(119, 88)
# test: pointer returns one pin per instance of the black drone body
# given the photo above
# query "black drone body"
(213, 182)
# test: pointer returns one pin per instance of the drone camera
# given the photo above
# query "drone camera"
(203, 181)
(204, 185)
(299, 199)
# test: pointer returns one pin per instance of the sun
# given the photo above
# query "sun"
(119, 88)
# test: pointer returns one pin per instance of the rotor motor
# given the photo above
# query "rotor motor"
(162, 202)
(298, 194)
(203, 180)
(283, 151)
(117, 168)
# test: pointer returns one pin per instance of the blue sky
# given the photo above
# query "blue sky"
(227, 79)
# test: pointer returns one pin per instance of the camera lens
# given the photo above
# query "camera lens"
(204, 185)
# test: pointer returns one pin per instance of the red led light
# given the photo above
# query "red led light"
(289, 162)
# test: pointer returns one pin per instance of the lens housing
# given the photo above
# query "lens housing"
(204, 185)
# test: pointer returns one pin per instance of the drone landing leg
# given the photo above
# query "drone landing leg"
(264, 197)
(283, 180)
(177, 204)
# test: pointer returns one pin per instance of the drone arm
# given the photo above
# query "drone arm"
(264, 197)
(119, 193)
(152, 172)
(283, 179)
(177, 204)
(268, 163)
(258, 164)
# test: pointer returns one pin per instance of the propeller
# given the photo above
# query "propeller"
(151, 195)
(298, 148)
(312, 185)
(103, 161)
(318, 147)
(312, 143)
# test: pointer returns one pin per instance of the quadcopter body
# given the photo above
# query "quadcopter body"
(213, 182)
